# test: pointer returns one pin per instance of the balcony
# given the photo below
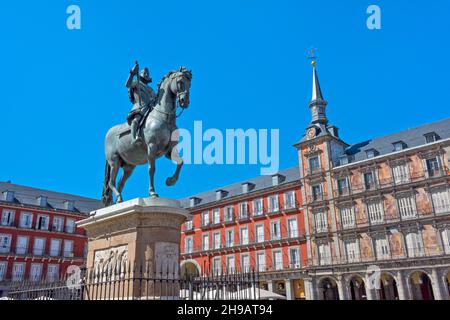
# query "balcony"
(229, 220)
(318, 197)
(205, 225)
(243, 217)
(314, 170)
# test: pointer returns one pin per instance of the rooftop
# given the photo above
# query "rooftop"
(53, 200)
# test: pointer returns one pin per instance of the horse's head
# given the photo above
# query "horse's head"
(180, 85)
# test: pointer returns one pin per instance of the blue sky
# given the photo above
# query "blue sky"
(60, 89)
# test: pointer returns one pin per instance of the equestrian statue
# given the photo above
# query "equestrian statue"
(150, 131)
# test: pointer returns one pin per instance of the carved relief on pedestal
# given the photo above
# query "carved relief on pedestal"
(166, 258)
(111, 259)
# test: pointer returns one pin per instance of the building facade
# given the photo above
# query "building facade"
(253, 225)
(38, 235)
(373, 218)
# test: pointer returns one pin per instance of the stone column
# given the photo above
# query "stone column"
(402, 288)
(140, 237)
(289, 286)
(309, 289)
(370, 291)
(436, 285)
(270, 286)
(341, 288)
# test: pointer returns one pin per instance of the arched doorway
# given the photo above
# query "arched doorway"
(328, 289)
(357, 288)
(189, 269)
(421, 286)
(388, 288)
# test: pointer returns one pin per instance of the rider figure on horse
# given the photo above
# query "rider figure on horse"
(141, 95)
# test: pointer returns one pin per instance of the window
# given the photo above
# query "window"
(369, 180)
(371, 153)
(259, 233)
(343, 187)
(58, 224)
(231, 264)
(441, 201)
(261, 261)
(68, 248)
(401, 174)
(317, 192)
(324, 254)
(414, 244)
(352, 250)
(244, 236)
(430, 137)
(375, 210)
(273, 203)
(21, 245)
(216, 266)
(39, 245)
(188, 245)
(229, 214)
(205, 218)
(314, 164)
(52, 272)
(321, 222)
(55, 247)
(277, 260)
(229, 238)
(7, 217)
(188, 225)
(445, 236)
(407, 207)
(294, 258)
(347, 217)
(26, 220)
(258, 207)
(398, 146)
(292, 228)
(42, 222)
(216, 216)
(245, 263)
(18, 271)
(5, 243)
(289, 199)
(275, 230)
(205, 242)
(382, 248)
(243, 210)
(3, 266)
(70, 225)
(433, 167)
(216, 240)
(35, 271)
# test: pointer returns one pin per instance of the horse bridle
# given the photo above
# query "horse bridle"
(178, 95)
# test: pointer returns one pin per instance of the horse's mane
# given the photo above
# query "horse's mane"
(187, 72)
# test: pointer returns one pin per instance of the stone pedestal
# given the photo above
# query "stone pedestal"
(141, 239)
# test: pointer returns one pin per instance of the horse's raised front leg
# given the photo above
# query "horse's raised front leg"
(127, 171)
(151, 170)
(115, 166)
(174, 155)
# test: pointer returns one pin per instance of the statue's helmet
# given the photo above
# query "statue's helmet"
(145, 75)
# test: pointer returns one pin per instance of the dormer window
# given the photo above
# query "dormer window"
(343, 159)
(42, 201)
(247, 186)
(193, 201)
(276, 179)
(69, 205)
(8, 196)
(371, 153)
(431, 137)
(399, 145)
(220, 194)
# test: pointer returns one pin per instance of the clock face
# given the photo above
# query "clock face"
(311, 133)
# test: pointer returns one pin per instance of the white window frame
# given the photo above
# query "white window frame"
(375, 210)
(21, 222)
(400, 173)
(441, 200)
(261, 267)
(216, 216)
(347, 217)
(188, 244)
(228, 214)
(217, 265)
(352, 250)
(5, 247)
(35, 252)
(229, 240)
(275, 226)
(205, 244)
(18, 276)
(445, 236)
(53, 252)
(231, 267)
(258, 207)
(205, 218)
(414, 244)
(39, 217)
(321, 221)
(35, 277)
(382, 248)
(277, 264)
(58, 224)
(259, 237)
(273, 203)
(52, 276)
(244, 240)
(20, 250)
(68, 249)
(245, 267)
(243, 210)
(406, 205)
(294, 264)
(289, 204)
(3, 268)
(324, 251)
(8, 216)
(216, 244)
(292, 233)
(71, 226)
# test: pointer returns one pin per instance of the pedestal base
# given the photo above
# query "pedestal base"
(140, 237)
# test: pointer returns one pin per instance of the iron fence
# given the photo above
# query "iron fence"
(132, 282)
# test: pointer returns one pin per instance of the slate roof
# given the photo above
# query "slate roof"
(259, 183)
(55, 200)
(412, 138)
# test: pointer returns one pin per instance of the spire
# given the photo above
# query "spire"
(317, 104)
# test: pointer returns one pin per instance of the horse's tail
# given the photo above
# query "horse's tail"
(107, 192)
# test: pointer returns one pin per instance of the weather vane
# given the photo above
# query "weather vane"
(312, 56)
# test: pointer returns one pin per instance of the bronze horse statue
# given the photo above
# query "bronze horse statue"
(158, 136)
